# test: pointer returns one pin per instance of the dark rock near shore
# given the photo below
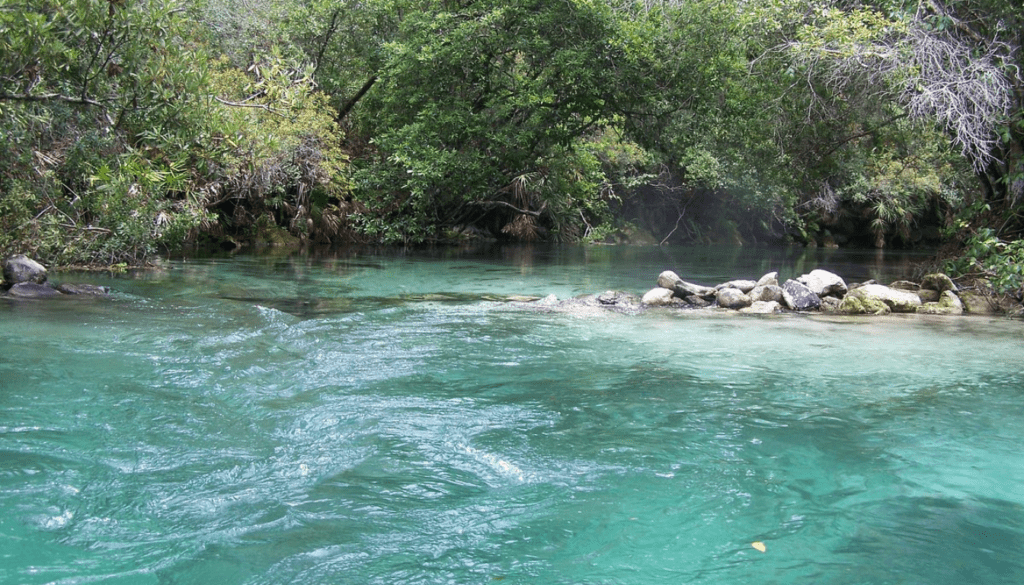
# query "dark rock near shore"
(32, 290)
(798, 297)
(83, 289)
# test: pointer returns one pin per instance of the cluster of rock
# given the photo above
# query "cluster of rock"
(819, 290)
(25, 278)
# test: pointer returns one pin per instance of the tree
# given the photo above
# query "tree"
(80, 81)
(480, 110)
(128, 138)
(952, 63)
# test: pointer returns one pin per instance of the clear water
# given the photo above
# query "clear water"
(375, 417)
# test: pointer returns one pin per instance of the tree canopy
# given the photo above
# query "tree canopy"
(141, 125)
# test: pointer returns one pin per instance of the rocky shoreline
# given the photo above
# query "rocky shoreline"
(818, 291)
(24, 278)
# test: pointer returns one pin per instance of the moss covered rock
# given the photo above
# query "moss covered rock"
(948, 304)
(855, 303)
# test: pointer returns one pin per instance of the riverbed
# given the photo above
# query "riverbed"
(386, 416)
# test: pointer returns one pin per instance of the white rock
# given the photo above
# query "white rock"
(770, 279)
(658, 296)
(824, 283)
(762, 308)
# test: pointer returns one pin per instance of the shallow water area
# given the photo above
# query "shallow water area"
(382, 417)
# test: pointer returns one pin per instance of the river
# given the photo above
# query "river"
(383, 416)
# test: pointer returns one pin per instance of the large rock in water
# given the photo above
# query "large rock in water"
(870, 298)
(744, 286)
(681, 288)
(659, 297)
(733, 298)
(31, 290)
(824, 283)
(799, 297)
(20, 268)
(83, 289)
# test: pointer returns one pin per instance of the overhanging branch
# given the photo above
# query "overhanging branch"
(49, 97)
(493, 203)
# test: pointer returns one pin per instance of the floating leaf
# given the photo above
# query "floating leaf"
(759, 546)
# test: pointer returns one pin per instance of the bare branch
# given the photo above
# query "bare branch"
(49, 97)
(933, 74)
(244, 105)
(508, 205)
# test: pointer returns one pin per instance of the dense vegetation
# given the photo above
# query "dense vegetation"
(136, 126)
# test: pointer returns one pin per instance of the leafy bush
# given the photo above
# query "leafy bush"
(985, 256)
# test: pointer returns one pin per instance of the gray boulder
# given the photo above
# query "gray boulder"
(733, 298)
(668, 279)
(681, 288)
(798, 297)
(770, 279)
(20, 268)
(590, 304)
(939, 282)
(32, 290)
(830, 304)
(83, 289)
(659, 297)
(824, 283)
(766, 293)
(762, 308)
(744, 286)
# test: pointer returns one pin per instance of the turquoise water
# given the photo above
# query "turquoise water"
(382, 417)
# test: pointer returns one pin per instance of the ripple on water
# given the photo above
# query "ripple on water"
(190, 439)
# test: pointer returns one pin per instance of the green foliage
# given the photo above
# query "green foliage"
(135, 125)
(985, 256)
(281, 154)
(132, 141)
(480, 111)
(105, 98)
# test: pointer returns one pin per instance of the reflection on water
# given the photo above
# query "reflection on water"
(321, 282)
(382, 417)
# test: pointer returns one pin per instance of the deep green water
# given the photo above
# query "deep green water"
(375, 417)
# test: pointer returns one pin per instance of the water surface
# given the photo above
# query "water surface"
(384, 417)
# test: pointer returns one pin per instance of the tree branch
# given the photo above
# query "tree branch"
(241, 105)
(49, 97)
(508, 205)
(345, 109)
